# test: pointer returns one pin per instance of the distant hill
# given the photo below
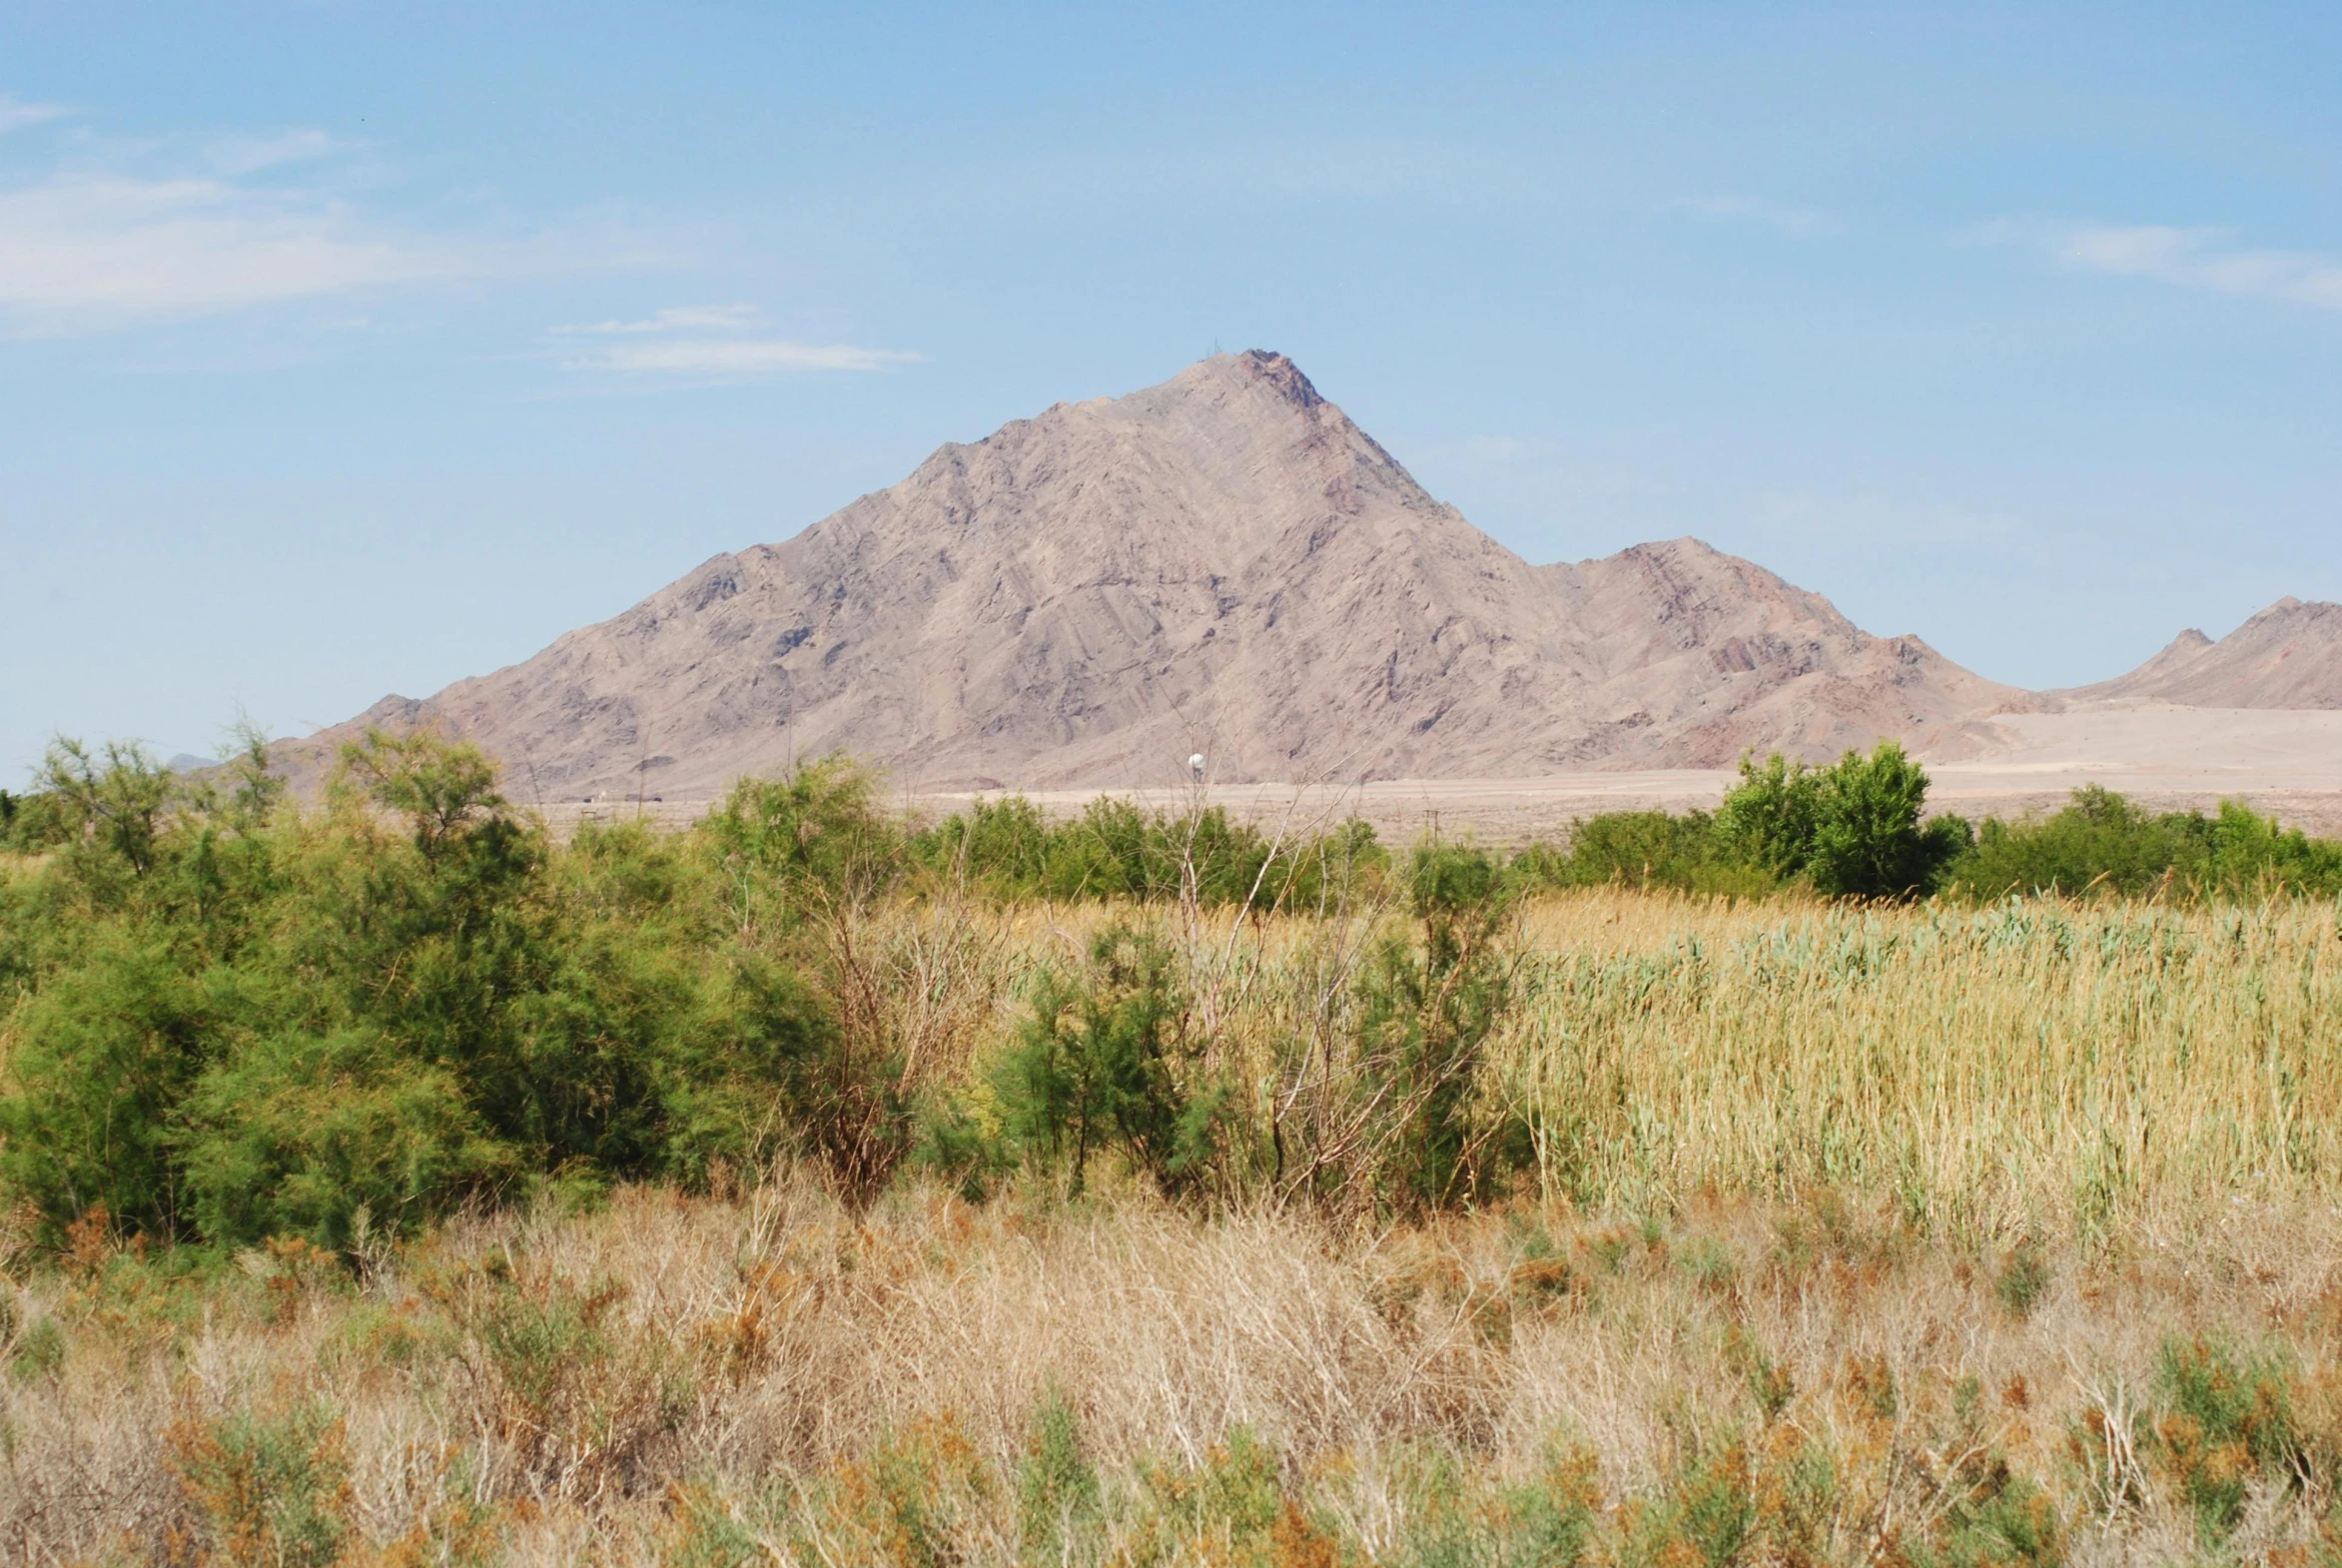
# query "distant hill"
(2287, 656)
(1223, 562)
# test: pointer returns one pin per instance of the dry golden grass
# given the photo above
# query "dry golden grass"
(1997, 1070)
(1847, 1227)
(2037, 1067)
(560, 1389)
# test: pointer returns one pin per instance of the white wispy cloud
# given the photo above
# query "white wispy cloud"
(1797, 220)
(2193, 258)
(15, 113)
(681, 318)
(240, 155)
(708, 339)
(739, 356)
(90, 252)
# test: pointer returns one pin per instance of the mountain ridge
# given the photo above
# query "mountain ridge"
(1221, 562)
(2289, 655)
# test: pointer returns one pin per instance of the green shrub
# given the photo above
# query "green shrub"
(910, 1503)
(2025, 1278)
(237, 1022)
(1643, 849)
(32, 823)
(1004, 845)
(1101, 1063)
(1552, 1522)
(1852, 829)
(115, 809)
(1116, 849)
(1228, 1509)
(582, 1395)
(2225, 1419)
(1705, 1516)
(103, 1057)
(811, 840)
(703, 1532)
(2101, 843)
(40, 1349)
(1993, 1520)
(1768, 821)
(2252, 854)
(1867, 837)
(1425, 1010)
(270, 1490)
(1058, 1497)
(298, 1135)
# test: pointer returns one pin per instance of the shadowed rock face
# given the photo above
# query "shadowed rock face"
(1223, 562)
(2287, 656)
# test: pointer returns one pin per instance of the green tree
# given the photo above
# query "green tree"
(1852, 829)
(1768, 819)
(1869, 840)
(1425, 1013)
(1100, 1064)
(298, 1134)
(283, 1020)
(103, 1057)
(117, 802)
(810, 840)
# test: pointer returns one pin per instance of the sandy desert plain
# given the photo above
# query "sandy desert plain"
(2282, 763)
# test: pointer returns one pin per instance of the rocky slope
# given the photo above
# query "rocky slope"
(1225, 564)
(2287, 656)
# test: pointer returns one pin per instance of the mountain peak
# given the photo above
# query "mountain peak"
(1274, 371)
(1254, 370)
(2287, 656)
(1223, 561)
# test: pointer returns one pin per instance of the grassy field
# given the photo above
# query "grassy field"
(1842, 1233)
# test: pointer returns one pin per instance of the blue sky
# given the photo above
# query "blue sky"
(349, 349)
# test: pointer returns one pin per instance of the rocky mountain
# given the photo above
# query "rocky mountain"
(2287, 656)
(1225, 564)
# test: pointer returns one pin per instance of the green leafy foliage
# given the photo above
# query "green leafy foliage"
(1770, 819)
(810, 842)
(1058, 1496)
(2228, 1419)
(1857, 829)
(102, 1060)
(1426, 1010)
(31, 823)
(2100, 843)
(1852, 829)
(234, 1021)
(1103, 1061)
(302, 1135)
(1644, 849)
(117, 805)
(1116, 849)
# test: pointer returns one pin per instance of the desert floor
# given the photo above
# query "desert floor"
(2284, 761)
